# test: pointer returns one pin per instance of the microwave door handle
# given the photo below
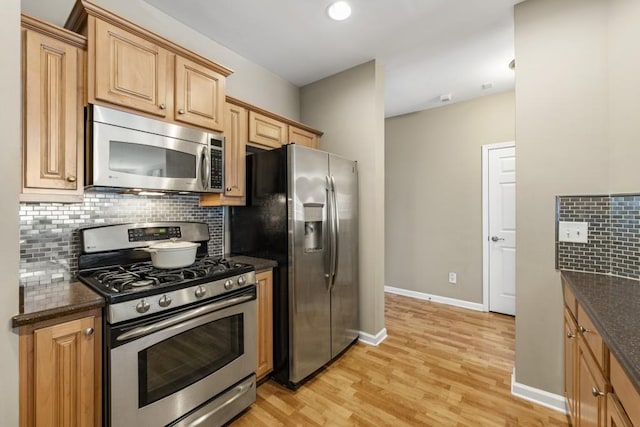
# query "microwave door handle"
(204, 169)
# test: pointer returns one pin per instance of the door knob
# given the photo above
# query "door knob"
(496, 238)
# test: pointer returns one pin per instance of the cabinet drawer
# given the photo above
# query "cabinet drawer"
(592, 338)
(625, 391)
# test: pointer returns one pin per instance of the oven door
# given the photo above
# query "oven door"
(166, 368)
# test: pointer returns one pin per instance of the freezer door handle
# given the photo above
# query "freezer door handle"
(330, 272)
(336, 231)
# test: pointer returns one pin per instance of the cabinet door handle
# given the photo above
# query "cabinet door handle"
(583, 330)
(596, 392)
(71, 178)
(88, 331)
(162, 106)
(181, 111)
(570, 335)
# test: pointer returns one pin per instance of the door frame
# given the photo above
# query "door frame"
(485, 217)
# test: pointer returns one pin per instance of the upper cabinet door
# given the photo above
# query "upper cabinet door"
(303, 137)
(265, 131)
(129, 70)
(235, 150)
(52, 81)
(199, 95)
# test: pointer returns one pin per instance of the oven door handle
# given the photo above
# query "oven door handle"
(192, 314)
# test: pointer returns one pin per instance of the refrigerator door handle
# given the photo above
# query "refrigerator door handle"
(336, 231)
(329, 260)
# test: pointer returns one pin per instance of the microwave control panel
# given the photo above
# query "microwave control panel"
(217, 169)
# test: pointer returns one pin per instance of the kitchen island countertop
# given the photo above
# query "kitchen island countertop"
(613, 304)
(38, 303)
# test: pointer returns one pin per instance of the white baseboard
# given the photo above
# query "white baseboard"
(435, 298)
(374, 340)
(537, 396)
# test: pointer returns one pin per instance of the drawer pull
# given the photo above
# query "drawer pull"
(583, 330)
(596, 392)
(570, 335)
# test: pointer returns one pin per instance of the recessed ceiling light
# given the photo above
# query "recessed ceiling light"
(339, 10)
(445, 98)
(487, 85)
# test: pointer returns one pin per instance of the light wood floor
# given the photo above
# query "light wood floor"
(439, 366)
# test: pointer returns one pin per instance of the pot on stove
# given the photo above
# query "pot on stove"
(172, 254)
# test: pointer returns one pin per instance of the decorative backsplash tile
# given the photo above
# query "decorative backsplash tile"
(614, 234)
(50, 242)
(595, 255)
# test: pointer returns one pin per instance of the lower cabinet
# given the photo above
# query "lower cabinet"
(264, 281)
(570, 353)
(591, 391)
(616, 416)
(60, 372)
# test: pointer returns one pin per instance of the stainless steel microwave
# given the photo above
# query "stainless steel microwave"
(130, 153)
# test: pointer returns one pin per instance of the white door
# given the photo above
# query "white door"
(502, 229)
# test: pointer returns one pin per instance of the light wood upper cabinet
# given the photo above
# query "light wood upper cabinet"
(266, 131)
(53, 75)
(199, 95)
(128, 70)
(303, 137)
(137, 70)
(265, 323)
(60, 373)
(235, 148)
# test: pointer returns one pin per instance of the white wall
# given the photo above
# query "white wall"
(349, 108)
(10, 167)
(433, 191)
(562, 148)
(249, 82)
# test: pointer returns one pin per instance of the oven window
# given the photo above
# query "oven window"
(177, 362)
(147, 160)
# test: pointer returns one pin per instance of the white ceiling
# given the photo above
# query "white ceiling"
(427, 47)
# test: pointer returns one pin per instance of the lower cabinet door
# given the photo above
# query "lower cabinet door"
(616, 417)
(265, 323)
(592, 390)
(64, 373)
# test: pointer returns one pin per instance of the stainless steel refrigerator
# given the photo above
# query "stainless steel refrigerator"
(302, 211)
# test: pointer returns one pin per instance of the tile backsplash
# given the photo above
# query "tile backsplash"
(614, 234)
(50, 242)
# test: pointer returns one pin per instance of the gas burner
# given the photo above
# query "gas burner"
(143, 275)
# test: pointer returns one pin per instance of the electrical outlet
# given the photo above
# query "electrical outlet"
(576, 232)
(452, 278)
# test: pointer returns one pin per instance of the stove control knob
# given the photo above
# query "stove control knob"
(165, 301)
(143, 306)
(200, 291)
(228, 284)
(241, 281)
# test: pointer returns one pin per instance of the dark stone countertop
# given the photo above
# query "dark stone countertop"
(613, 305)
(260, 264)
(38, 303)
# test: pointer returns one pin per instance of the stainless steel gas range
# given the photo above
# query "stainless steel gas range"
(179, 344)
